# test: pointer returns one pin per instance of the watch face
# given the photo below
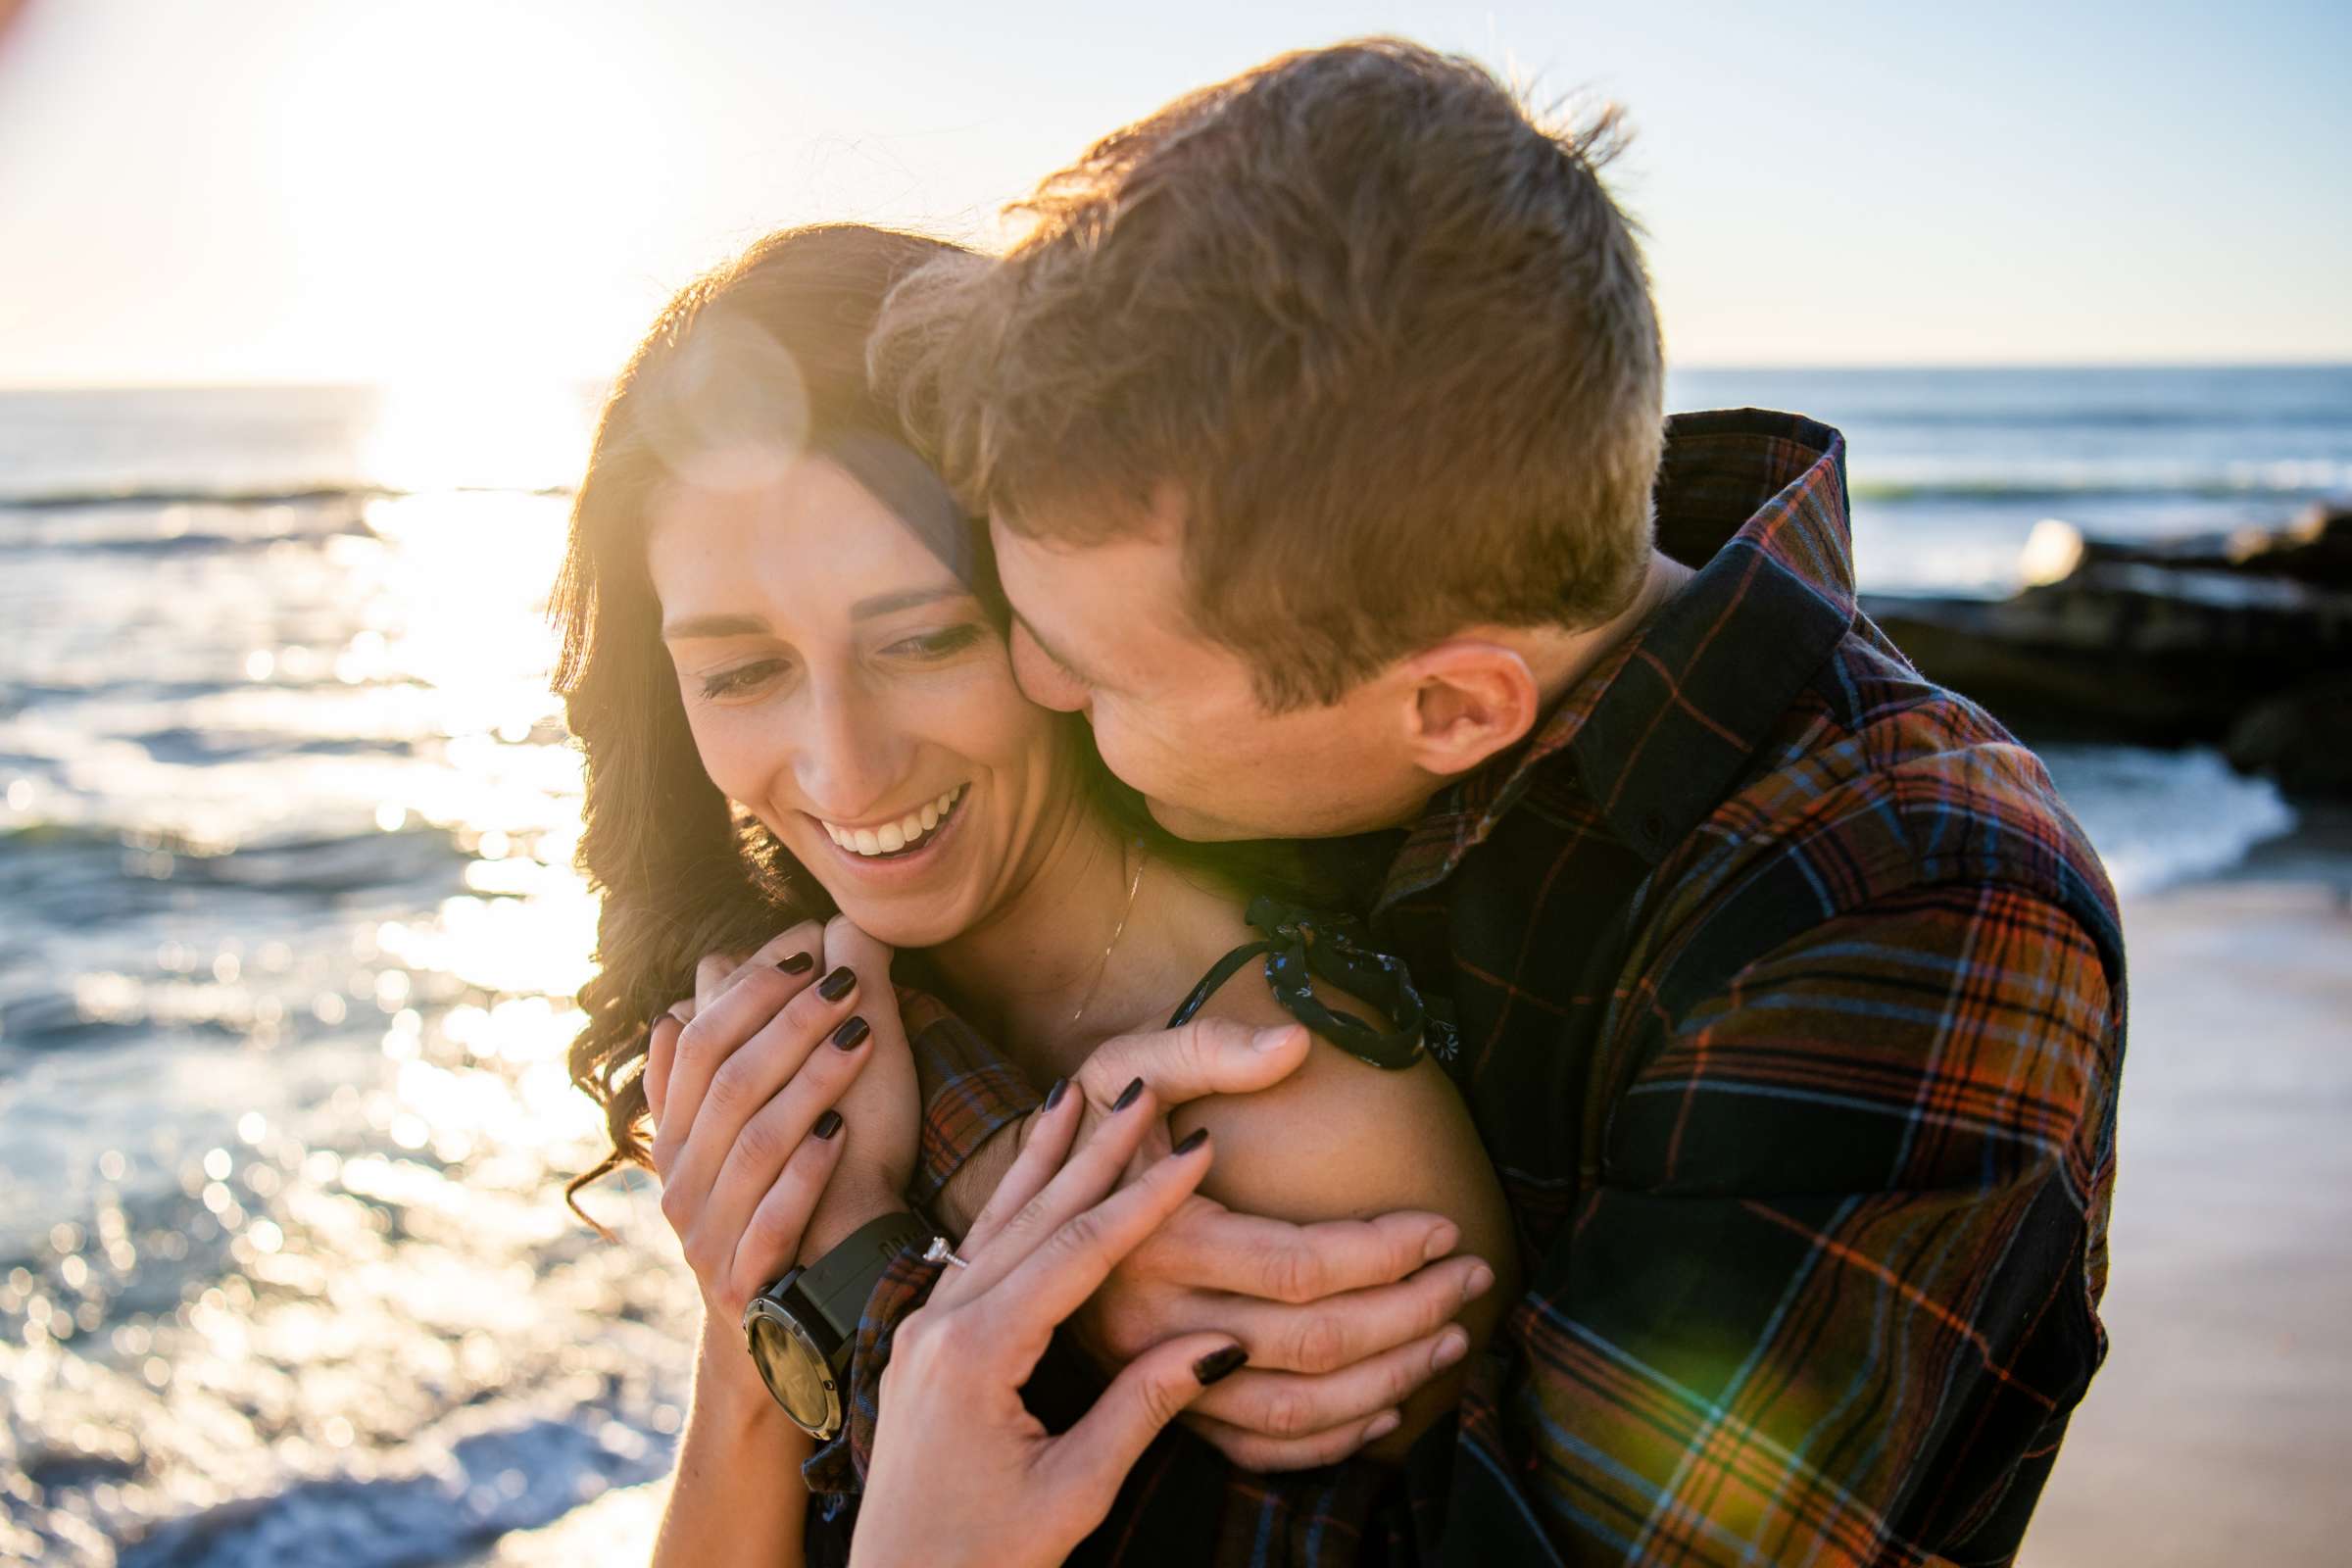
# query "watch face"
(795, 1373)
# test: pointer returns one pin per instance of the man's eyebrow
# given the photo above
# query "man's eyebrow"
(1051, 652)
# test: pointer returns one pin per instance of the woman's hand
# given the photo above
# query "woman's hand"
(962, 1473)
(767, 1149)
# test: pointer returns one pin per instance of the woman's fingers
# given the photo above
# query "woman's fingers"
(1069, 1264)
(771, 1237)
(1094, 1457)
(717, 971)
(1053, 1128)
(769, 1016)
(1087, 1174)
(661, 1050)
(776, 1131)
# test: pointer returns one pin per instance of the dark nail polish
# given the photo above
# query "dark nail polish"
(1062, 1087)
(852, 1034)
(1217, 1365)
(828, 1124)
(1128, 1096)
(798, 964)
(1189, 1142)
(837, 985)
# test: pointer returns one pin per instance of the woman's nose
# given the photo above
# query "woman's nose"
(849, 757)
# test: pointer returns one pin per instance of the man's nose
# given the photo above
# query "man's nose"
(1042, 680)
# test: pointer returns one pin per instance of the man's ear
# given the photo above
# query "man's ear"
(1470, 699)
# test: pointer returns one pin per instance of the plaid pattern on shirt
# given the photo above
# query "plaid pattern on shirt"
(1789, 1005)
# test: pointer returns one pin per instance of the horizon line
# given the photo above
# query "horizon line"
(586, 380)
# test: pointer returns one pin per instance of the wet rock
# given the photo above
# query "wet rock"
(2242, 641)
(2315, 550)
(2303, 738)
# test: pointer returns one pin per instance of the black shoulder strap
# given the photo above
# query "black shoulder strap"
(1301, 946)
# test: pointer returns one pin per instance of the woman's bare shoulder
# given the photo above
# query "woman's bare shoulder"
(1314, 1145)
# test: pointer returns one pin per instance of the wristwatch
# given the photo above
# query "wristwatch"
(804, 1326)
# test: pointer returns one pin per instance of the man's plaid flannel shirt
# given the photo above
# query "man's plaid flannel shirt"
(1789, 1000)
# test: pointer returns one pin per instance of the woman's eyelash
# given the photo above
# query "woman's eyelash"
(931, 645)
(726, 681)
(940, 644)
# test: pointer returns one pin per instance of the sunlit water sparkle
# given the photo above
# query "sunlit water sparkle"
(286, 824)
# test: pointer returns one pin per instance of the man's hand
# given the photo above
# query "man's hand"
(1342, 1320)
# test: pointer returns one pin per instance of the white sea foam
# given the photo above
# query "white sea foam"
(2158, 817)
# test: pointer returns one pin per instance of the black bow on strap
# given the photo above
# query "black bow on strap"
(1301, 945)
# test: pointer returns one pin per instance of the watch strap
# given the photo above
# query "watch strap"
(838, 1284)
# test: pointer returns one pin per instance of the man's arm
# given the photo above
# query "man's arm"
(1834, 1296)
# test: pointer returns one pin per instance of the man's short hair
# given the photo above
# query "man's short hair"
(1388, 342)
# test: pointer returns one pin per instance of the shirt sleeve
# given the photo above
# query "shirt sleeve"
(1833, 1295)
(969, 1090)
(968, 1093)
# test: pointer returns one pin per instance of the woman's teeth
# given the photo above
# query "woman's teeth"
(893, 837)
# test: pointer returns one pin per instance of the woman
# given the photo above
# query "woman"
(785, 661)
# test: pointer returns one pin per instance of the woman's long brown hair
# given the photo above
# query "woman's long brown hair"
(766, 351)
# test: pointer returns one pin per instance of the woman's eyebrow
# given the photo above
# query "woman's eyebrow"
(906, 598)
(689, 627)
(693, 626)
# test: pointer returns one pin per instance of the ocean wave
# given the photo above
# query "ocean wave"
(2316, 480)
(182, 496)
(2158, 817)
(60, 874)
(482, 1486)
(2040, 419)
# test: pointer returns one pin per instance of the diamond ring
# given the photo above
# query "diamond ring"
(938, 1252)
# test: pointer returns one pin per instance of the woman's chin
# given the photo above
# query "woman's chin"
(904, 930)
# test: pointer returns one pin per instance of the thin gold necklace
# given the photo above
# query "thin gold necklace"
(1102, 967)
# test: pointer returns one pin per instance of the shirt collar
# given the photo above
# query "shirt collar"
(1756, 501)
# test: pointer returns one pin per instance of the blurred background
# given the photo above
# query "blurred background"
(305, 309)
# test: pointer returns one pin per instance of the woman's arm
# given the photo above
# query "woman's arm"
(771, 1145)
(736, 1496)
(1341, 1138)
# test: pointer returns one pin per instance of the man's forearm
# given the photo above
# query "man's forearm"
(971, 1097)
(737, 1495)
(974, 1182)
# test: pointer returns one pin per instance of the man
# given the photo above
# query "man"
(1317, 420)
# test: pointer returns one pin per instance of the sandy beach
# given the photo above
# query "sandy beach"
(2214, 1433)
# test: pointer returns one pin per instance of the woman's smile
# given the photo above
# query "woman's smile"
(899, 844)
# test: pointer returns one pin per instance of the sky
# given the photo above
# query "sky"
(448, 190)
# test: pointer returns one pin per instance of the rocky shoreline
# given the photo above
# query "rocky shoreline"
(2239, 640)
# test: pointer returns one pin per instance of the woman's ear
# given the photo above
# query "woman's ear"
(1470, 700)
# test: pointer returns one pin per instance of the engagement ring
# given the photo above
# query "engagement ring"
(938, 1252)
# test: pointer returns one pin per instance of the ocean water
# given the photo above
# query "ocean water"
(288, 927)
(1949, 469)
